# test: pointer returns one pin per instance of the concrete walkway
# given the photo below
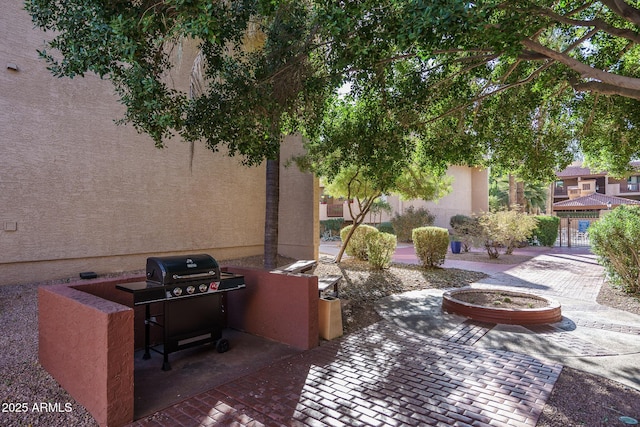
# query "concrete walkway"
(423, 367)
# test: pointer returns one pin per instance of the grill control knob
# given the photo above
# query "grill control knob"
(177, 292)
(191, 289)
(203, 287)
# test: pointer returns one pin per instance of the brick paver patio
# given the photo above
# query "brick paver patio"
(396, 372)
(380, 376)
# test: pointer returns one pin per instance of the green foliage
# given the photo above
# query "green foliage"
(357, 245)
(464, 229)
(505, 229)
(380, 249)
(404, 223)
(441, 73)
(386, 227)
(378, 207)
(258, 78)
(431, 244)
(331, 226)
(547, 230)
(459, 220)
(363, 150)
(460, 66)
(534, 199)
(615, 238)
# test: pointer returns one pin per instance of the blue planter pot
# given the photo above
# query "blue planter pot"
(456, 247)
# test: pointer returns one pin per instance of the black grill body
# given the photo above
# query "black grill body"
(191, 290)
(179, 269)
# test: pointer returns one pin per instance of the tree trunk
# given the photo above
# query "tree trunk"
(512, 192)
(520, 200)
(359, 219)
(271, 213)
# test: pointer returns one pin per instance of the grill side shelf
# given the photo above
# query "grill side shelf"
(143, 292)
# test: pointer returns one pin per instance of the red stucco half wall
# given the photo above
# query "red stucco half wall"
(86, 344)
(280, 307)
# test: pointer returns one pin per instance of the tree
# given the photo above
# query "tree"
(257, 78)
(364, 150)
(505, 229)
(378, 208)
(616, 240)
(519, 86)
(534, 194)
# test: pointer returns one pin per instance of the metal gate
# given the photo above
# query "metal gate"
(574, 230)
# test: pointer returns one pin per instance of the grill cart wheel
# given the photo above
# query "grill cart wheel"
(222, 346)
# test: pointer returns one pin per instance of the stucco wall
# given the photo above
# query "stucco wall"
(469, 194)
(298, 235)
(79, 193)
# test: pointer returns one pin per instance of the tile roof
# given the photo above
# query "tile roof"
(577, 170)
(593, 201)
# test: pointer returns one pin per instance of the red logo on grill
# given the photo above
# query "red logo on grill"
(214, 286)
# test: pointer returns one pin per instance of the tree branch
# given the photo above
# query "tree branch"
(624, 10)
(494, 92)
(596, 23)
(605, 89)
(583, 69)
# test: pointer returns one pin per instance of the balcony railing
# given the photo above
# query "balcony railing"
(560, 191)
(629, 187)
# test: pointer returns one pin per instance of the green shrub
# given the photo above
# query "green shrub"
(459, 220)
(386, 227)
(380, 249)
(506, 229)
(464, 229)
(431, 244)
(357, 246)
(331, 227)
(404, 224)
(547, 230)
(615, 238)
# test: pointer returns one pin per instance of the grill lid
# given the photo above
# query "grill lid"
(182, 268)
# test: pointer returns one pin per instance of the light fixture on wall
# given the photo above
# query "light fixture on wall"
(12, 66)
(609, 205)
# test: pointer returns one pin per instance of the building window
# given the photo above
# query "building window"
(586, 186)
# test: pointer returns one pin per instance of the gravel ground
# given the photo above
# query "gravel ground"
(31, 397)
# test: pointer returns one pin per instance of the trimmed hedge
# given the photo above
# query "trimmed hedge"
(547, 230)
(380, 249)
(431, 244)
(404, 224)
(357, 246)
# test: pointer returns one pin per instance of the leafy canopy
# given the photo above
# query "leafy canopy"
(363, 150)
(521, 86)
(259, 79)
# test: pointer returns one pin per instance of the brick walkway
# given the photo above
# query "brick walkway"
(380, 376)
(406, 373)
(571, 275)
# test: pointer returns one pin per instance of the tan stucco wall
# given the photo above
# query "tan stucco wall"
(469, 194)
(298, 235)
(84, 194)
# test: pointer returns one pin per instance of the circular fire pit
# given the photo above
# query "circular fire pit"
(501, 306)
